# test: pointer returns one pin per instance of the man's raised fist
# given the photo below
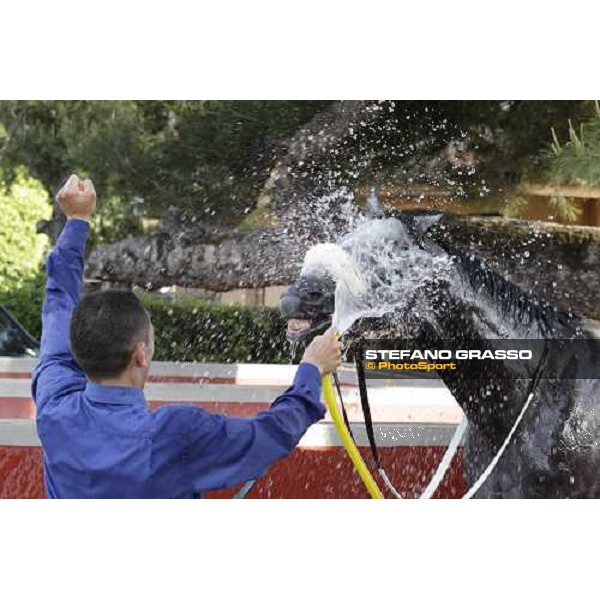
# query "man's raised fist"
(77, 198)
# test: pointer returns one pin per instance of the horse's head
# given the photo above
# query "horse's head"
(382, 266)
(308, 305)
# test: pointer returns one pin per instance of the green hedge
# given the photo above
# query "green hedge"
(196, 330)
(25, 303)
(185, 330)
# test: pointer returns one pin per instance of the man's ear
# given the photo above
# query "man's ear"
(139, 355)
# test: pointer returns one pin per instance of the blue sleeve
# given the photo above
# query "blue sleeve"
(57, 372)
(224, 451)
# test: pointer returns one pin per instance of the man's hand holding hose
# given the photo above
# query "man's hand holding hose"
(324, 352)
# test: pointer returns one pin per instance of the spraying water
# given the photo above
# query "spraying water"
(373, 203)
(377, 269)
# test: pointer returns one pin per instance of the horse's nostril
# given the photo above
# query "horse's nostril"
(289, 304)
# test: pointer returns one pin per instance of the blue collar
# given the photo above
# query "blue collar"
(112, 394)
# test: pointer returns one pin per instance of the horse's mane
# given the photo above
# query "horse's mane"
(512, 302)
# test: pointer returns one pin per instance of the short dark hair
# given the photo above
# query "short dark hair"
(104, 330)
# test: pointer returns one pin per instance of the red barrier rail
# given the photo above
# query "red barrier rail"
(414, 423)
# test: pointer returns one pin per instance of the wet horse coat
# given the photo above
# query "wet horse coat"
(555, 452)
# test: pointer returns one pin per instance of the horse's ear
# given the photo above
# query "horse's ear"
(417, 224)
(423, 223)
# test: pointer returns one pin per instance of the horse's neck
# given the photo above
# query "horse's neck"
(480, 305)
(496, 307)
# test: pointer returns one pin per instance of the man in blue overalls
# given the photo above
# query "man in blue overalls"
(99, 438)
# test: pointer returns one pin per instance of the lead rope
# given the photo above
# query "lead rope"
(459, 432)
(244, 490)
(366, 410)
(443, 466)
(483, 477)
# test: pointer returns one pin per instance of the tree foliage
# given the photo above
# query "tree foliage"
(213, 157)
(208, 155)
(510, 135)
(576, 160)
(571, 157)
(22, 204)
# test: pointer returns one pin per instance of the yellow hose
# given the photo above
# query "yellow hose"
(344, 434)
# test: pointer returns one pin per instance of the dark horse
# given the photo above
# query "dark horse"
(555, 451)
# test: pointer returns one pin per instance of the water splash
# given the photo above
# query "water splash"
(377, 269)
(373, 204)
(331, 259)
